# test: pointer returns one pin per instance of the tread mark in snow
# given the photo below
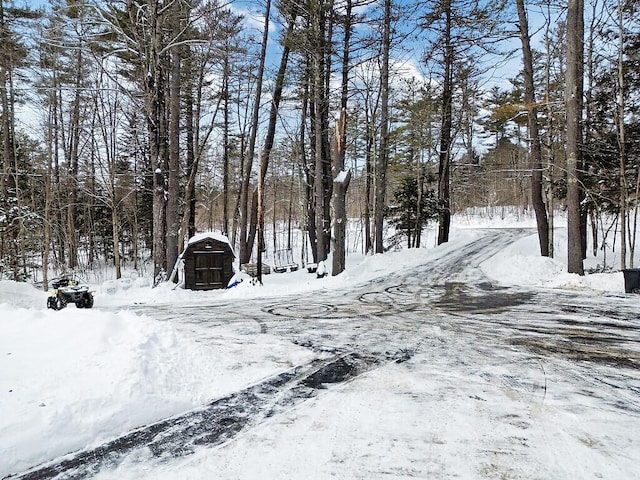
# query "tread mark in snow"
(215, 423)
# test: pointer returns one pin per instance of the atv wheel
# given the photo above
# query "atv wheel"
(61, 303)
(57, 302)
(85, 302)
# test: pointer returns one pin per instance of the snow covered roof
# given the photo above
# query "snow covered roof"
(198, 237)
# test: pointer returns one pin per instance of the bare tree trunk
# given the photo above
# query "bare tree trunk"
(260, 221)
(290, 210)
(159, 257)
(115, 222)
(269, 140)
(634, 227)
(624, 189)
(47, 209)
(327, 164)
(74, 145)
(444, 216)
(195, 148)
(245, 251)
(225, 148)
(190, 191)
(13, 196)
(340, 185)
(383, 154)
(575, 46)
(532, 118)
(155, 111)
(8, 177)
(158, 151)
(308, 168)
(173, 193)
(419, 205)
(318, 91)
(56, 175)
(319, 167)
(368, 245)
(550, 193)
(342, 178)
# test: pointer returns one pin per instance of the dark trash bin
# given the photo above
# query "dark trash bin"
(631, 280)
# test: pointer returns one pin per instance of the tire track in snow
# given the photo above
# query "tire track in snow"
(215, 423)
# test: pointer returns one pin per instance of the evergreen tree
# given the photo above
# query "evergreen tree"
(414, 207)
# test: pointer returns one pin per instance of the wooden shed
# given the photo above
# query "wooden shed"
(208, 262)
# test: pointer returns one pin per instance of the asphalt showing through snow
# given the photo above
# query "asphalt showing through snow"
(388, 320)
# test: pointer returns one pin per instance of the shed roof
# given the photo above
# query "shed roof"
(199, 237)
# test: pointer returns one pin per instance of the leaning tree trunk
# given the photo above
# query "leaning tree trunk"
(258, 203)
(245, 250)
(536, 147)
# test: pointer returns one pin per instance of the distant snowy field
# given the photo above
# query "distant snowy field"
(78, 377)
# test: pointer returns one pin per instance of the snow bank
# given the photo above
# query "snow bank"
(521, 264)
(78, 377)
(20, 294)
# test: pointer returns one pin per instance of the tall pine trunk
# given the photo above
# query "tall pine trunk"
(245, 247)
(225, 147)
(624, 189)
(268, 146)
(534, 135)
(308, 168)
(383, 154)
(444, 166)
(74, 146)
(173, 189)
(342, 177)
(319, 126)
(573, 98)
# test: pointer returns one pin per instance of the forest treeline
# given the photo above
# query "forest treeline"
(129, 125)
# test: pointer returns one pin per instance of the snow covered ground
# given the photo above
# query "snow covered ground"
(75, 379)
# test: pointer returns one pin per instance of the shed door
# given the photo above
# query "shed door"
(209, 269)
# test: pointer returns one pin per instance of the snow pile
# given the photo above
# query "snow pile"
(79, 377)
(521, 264)
(518, 264)
(18, 294)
